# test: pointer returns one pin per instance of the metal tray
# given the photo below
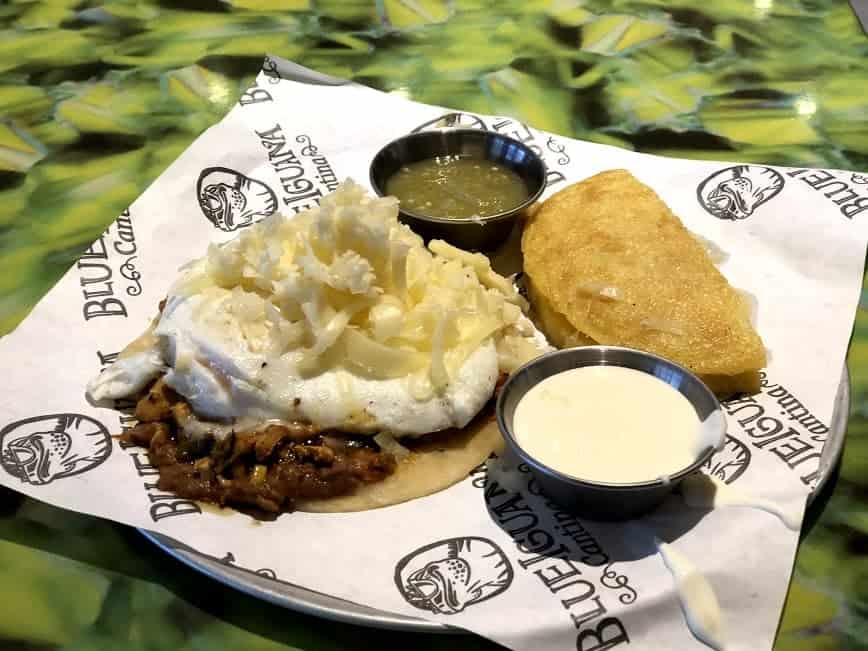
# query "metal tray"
(264, 585)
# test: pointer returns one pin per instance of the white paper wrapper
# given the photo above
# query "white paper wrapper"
(539, 578)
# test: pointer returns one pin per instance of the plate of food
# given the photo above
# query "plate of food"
(349, 358)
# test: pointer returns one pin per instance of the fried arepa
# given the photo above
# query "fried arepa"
(609, 263)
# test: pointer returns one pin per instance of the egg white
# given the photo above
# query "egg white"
(228, 374)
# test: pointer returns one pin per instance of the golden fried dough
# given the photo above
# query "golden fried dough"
(608, 262)
(554, 325)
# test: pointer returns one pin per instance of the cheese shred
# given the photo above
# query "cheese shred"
(347, 285)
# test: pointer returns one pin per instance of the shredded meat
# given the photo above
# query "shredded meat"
(143, 433)
(263, 471)
(157, 403)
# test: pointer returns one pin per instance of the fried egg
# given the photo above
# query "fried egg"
(340, 317)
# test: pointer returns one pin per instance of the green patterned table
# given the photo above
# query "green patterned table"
(96, 99)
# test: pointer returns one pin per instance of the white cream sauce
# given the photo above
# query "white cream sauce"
(609, 424)
(698, 601)
(704, 492)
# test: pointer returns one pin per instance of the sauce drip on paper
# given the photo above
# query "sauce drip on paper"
(698, 601)
(705, 492)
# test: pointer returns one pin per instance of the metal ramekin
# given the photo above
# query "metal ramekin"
(600, 500)
(483, 234)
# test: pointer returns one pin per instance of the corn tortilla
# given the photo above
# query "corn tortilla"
(436, 462)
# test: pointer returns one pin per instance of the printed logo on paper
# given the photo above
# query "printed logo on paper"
(271, 70)
(230, 200)
(730, 462)
(45, 448)
(446, 577)
(229, 561)
(277, 69)
(737, 192)
(453, 120)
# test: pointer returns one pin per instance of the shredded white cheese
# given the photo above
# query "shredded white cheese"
(347, 275)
